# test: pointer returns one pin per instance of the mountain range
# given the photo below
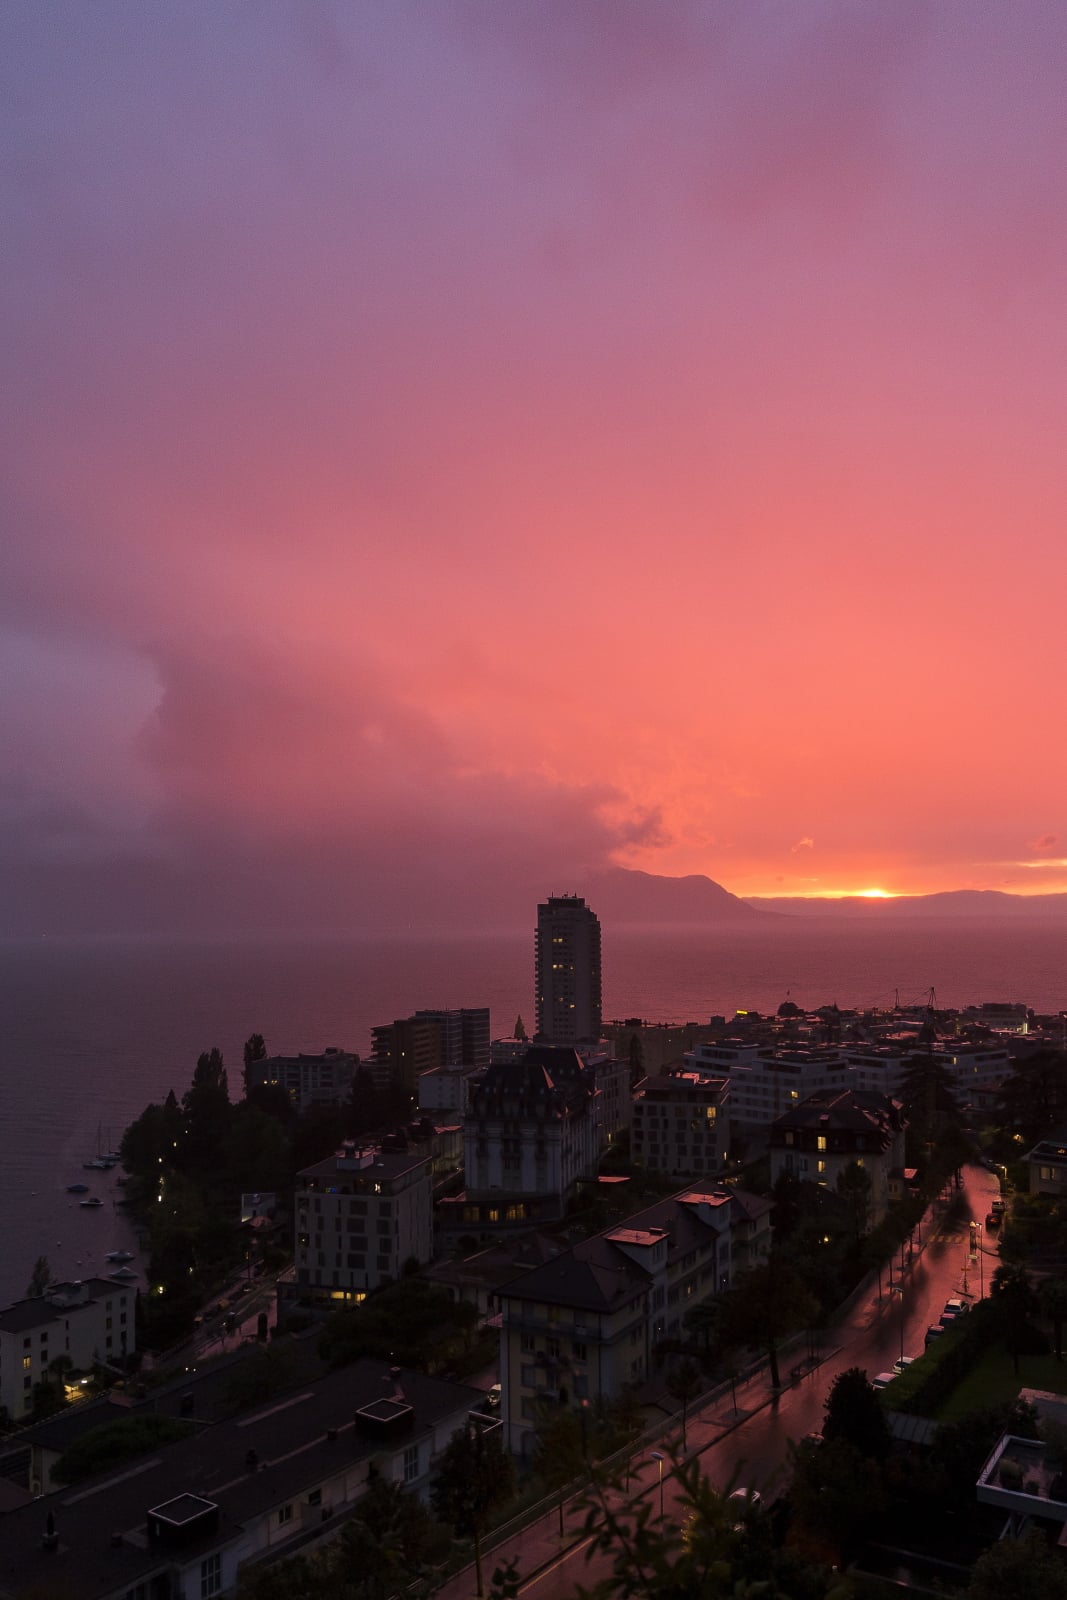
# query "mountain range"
(622, 895)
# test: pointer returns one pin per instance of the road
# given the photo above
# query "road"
(754, 1451)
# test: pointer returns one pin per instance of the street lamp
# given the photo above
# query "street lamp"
(900, 1291)
(657, 1457)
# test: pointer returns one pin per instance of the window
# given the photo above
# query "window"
(27, 1362)
(527, 1343)
(315, 1497)
(581, 1353)
(552, 1348)
(210, 1576)
(285, 1514)
(411, 1463)
(820, 1141)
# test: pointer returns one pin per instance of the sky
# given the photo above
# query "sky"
(453, 446)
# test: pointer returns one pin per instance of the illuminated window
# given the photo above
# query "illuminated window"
(821, 1142)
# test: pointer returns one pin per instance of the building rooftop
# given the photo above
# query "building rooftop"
(243, 1467)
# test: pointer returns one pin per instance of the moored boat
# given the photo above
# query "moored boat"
(77, 1188)
(120, 1257)
(91, 1205)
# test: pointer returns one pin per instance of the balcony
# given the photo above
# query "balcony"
(1024, 1477)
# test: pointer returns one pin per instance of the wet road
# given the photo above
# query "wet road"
(871, 1336)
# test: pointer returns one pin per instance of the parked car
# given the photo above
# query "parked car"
(957, 1307)
(934, 1331)
(903, 1364)
(993, 1219)
(883, 1380)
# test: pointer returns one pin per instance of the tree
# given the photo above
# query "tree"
(388, 1544)
(1013, 1300)
(1052, 1300)
(255, 1050)
(685, 1382)
(837, 1494)
(474, 1476)
(637, 1060)
(520, 1029)
(767, 1303)
(1018, 1569)
(713, 1555)
(40, 1278)
(928, 1096)
(854, 1413)
(854, 1188)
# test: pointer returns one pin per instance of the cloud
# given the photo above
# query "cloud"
(1047, 841)
(803, 844)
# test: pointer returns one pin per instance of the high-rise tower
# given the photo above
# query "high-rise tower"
(567, 970)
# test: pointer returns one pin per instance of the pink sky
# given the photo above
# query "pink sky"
(466, 444)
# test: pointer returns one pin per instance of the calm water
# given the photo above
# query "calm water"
(91, 1032)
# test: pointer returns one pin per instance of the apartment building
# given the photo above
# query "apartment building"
(567, 971)
(530, 1136)
(360, 1215)
(86, 1322)
(828, 1132)
(681, 1124)
(308, 1080)
(250, 1489)
(586, 1323)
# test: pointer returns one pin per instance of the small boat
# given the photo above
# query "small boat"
(122, 1274)
(77, 1188)
(119, 1257)
(91, 1205)
(97, 1164)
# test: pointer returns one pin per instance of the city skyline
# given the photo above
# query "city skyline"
(455, 450)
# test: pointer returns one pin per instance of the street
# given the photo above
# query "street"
(750, 1447)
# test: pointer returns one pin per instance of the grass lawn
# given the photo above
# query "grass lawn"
(993, 1380)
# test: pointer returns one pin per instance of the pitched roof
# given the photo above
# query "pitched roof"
(600, 1274)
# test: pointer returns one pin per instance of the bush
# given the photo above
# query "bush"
(115, 1442)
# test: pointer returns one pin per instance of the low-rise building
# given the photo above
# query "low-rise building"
(360, 1216)
(273, 1480)
(586, 1323)
(84, 1323)
(1047, 1163)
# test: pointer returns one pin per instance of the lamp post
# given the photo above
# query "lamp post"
(583, 1414)
(900, 1291)
(657, 1457)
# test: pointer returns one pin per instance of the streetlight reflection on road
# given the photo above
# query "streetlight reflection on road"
(657, 1457)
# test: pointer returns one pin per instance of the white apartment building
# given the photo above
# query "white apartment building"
(767, 1081)
(86, 1322)
(681, 1124)
(360, 1215)
(586, 1323)
(282, 1477)
(445, 1089)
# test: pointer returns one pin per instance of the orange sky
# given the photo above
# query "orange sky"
(493, 441)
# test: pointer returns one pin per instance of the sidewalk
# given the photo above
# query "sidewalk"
(540, 1543)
